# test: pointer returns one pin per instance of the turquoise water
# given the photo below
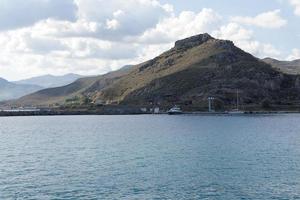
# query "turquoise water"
(150, 157)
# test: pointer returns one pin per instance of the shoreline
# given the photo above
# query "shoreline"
(70, 113)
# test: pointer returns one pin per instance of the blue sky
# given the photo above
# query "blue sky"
(96, 36)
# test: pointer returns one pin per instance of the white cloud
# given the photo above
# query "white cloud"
(112, 24)
(88, 45)
(296, 4)
(30, 51)
(98, 40)
(151, 51)
(118, 13)
(20, 13)
(129, 18)
(294, 55)
(233, 31)
(271, 19)
(244, 39)
(118, 21)
(186, 24)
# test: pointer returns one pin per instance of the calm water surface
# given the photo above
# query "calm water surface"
(150, 157)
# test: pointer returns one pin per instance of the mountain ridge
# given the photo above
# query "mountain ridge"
(10, 90)
(194, 69)
(50, 81)
(289, 67)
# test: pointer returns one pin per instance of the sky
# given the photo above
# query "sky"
(91, 37)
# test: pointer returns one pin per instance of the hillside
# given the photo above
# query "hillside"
(50, 81)
(199, 67)
(10, 90)
(76, 91)
(289, 67)
(194, 69)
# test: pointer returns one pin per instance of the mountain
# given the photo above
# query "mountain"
(50, 81)
(79, 89)
(289, 67)
(193, 70)
(10, 90)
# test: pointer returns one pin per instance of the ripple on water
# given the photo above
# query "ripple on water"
(150, 157)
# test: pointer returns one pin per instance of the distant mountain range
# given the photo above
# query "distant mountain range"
(193, 70)
(289, 67)
(49, 81)
(17, 89)
(10, 90)
(72, 92)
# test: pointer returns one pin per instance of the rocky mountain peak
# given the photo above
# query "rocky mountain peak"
(193, 41)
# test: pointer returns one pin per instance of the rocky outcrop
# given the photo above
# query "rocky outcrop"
(193, 41)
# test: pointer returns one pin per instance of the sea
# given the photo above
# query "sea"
(150, 157)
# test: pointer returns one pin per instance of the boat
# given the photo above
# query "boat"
(236, 111)
(175, 111)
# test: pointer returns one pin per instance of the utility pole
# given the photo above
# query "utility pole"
(210, 100)
(237, 99)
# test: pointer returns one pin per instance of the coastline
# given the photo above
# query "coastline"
(95, 112)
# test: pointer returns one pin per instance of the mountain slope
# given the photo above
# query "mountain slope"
(50, 81)
(10, 90)
(199, 67)
(289, 67)
(196, 68)
(78, 89)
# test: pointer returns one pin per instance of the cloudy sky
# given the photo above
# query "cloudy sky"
(96, 36)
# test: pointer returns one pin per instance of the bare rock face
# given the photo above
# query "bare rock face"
(193, 41)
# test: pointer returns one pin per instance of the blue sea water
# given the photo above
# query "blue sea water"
(150, 157)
